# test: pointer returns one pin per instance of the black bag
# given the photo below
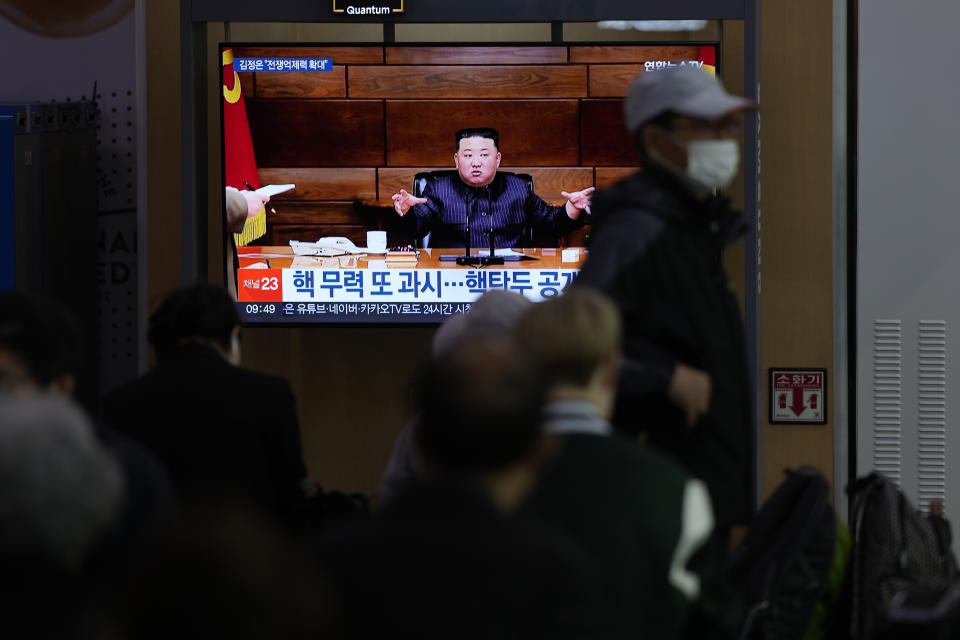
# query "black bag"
(924, 614)
(790, 566)
(902, 560)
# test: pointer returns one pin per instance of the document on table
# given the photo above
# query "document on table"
(271, 190)
(502, 253)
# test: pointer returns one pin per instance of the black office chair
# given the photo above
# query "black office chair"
(423, 178)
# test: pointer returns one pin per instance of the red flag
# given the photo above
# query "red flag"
(239, 160)
(708, 56)
(240, 164)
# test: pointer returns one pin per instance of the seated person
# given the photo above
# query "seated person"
(493, 313)
(225, 434)
(61, 492)
(491, 201)
(41, 355)
(447, 558)
(644, 521)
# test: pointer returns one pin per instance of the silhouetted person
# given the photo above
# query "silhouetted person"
(493, 312)
(633, 509)
(224, 433)
(41, 356)
(656, 252)
(231, 575)
(40, 345)
(445, 559)
(61, 492)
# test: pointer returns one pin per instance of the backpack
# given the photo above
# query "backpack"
(899, 554)
(792, 563)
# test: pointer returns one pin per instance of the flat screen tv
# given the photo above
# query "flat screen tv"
(334, 133)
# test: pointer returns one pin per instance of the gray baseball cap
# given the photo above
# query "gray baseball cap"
(684, 90)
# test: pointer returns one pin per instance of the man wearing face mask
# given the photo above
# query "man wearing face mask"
(656, 251)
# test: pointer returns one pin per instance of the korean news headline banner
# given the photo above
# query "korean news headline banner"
(401, 295)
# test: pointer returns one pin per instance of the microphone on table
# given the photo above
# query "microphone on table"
(492, 258)
(466, 258)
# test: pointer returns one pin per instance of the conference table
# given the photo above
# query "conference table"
(282, 257)
(424, 285)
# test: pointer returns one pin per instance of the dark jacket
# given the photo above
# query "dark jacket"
(440, 561)
(222, 432)
(634, 511)
(505, 205)
(656, 251)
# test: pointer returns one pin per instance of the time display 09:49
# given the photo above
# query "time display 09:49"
(261, 308)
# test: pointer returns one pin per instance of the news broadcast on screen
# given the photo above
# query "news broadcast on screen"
(393, 183)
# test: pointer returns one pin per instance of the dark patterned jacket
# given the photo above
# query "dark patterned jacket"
(656, 251)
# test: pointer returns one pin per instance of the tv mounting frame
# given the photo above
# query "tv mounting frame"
(195, 155)
(194, 14)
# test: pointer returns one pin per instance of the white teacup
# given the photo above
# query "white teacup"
(377, 241)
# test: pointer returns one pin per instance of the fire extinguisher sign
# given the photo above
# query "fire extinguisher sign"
(798, 396)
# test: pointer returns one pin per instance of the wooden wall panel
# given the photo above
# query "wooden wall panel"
(796, 304)
(340, 55)
(316, 133)
(247, 84)
(532, 132)
(448, 81)
(161, 234)
(327, 212)
(390, 181)
(476, 55)
(578, 237)
(604, 138)
(549, 182)
(606, 176)
(612, 80)
(302, 84)
(614, 53)
(323, 184)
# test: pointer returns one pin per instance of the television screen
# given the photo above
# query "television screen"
(376, 200)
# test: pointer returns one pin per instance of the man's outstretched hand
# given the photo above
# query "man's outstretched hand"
(577, 201)
(403, 201)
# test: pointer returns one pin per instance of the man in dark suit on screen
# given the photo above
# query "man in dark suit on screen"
(491, 201)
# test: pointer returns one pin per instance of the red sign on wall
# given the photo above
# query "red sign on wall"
(798, 396)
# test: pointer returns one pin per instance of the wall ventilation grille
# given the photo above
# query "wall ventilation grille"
(932, 412)
(887, 397)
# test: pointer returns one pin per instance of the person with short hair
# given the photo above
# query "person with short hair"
(656, 252)
(447, 558)
(645, 522)
(492, 202)
(61, 495)
(494, 312)
(40, 345)
(224, 433)
(41, 356)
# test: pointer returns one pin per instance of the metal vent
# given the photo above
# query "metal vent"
(932, 412)
(887, 397)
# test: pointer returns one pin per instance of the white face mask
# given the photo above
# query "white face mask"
(713, 163)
